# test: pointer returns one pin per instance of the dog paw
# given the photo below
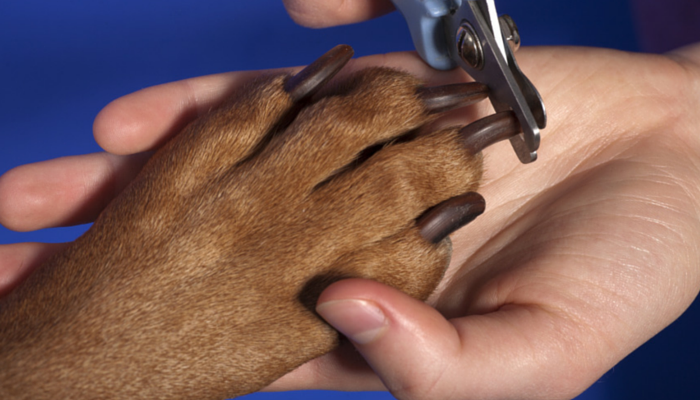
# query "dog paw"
(200, 279)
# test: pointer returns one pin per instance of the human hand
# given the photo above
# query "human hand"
(580, 258)
(121, 126)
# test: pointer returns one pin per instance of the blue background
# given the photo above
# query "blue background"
(62, 61)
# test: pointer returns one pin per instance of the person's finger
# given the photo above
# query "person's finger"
(516, 352)
(19, 259)
(74, 190)
(342, 369)
(323, 13)
(145, 119)
(64, 191)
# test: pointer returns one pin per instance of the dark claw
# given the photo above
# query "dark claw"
(307, 82)
(448, 97)
(443, 219)
(487, 131)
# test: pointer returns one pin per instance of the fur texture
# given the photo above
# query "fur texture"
(199, 281)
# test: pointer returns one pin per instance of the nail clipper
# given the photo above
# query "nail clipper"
(469, 34)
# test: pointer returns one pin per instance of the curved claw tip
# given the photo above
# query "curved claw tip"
(483, 133)
(445, 218)
(448, 97)
(306, 83)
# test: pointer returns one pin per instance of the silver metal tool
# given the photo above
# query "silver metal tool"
(469, 34)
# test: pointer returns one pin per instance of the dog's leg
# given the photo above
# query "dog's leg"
(199, 280)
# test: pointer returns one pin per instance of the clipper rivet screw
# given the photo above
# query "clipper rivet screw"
(469, 46)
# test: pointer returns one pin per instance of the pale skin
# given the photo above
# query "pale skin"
(579, 258)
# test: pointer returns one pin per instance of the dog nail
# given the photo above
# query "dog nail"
(440, 221)
(483, 133)
(448, 97)
(307, 81)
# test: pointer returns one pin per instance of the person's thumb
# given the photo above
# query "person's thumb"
(517, 352)
(407, 343)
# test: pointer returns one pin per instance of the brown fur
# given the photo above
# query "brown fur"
(199, 280)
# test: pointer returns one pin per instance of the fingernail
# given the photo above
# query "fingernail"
(360, 320)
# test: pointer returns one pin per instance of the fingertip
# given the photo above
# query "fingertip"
(18, 260)
(395, 304)
(361, 321)
(64, 191)
(325, 13)
(405, 341)
(17, 196)
(113, 123)
(349, 288)
(142, 120)
(361, 309)
(145, 119)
